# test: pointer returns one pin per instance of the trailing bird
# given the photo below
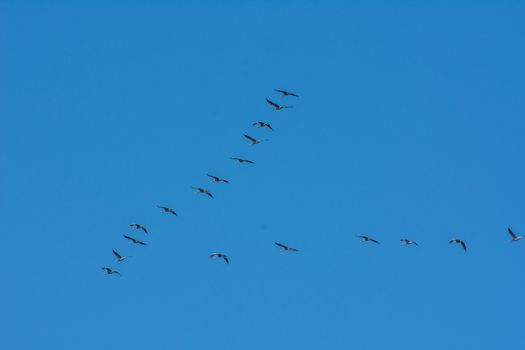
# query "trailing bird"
(263, 125)
(277, 106)
(110, 271)
(368, 239)
(118, 256)
(168, 210)
(220, 255)
(136, 241)
(514, 237)
(460, 242)
(203, 190)
(218, 179)
(240, 160)
(285, 248)
(408, 242)
(139, 227)
(253, 140)
(285, 93)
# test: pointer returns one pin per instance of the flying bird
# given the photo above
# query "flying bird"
(285, 248)
(240, 160)
(110, 271)
(277, 106)
(408, 242)
(253, 140)
(514, 237)
(136, 241)
(368, 239)
(168, 210)
(118, 256)
(263, 125)
(285, 93)
(139, 227)
(218, 179)
(203, 190)
(460, 242)
(221, 256)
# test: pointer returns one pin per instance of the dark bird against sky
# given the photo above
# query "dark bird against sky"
(240, 160)
(168, 210)
(220, 256)
(136, 241)
(263, 125)
(285, 93)
(254, 141)
(515, 238)
(139, 227)
(458, 241)
(277, 106)
(218, 179)
(203, 191)
(408, 242)
(118, 256)
(285, 248)
(368, 239)
(110, 271)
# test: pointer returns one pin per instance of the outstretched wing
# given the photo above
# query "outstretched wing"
(280, 245)
(373, 240)
(463, 245)
(511, 233)
(117, 254)
(272, 103)
(250, 138)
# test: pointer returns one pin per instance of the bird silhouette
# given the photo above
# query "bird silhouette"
(110, 271)
(514, 237)
(277, 106)
(263, 125)
(368, 239)
(136, 241)
(139, 227)
(204, 191)
(254, 141)
(240, 160)
(220, 256)
(408, 242)
(119, 256)
(458, 241)
(285, 93)
(168, 210)
(218, 179)
(285, 248)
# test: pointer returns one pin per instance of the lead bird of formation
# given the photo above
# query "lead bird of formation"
(216, 179)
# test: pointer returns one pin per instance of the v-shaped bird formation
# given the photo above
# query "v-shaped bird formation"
(216, 179)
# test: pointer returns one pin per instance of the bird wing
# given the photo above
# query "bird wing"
(248, 161)
(237, 159)
(144, 229)
(374, 240)
(250, 138)
(511, 233)
(174, 212)
(226, 181)
(280, 245)
(209, 193)
(269, 127)
(463, 245)
(130, 238)
(117, 254)
(216, 178)
(273, 103)
(281, 91)
(226, 259)
(452, 241)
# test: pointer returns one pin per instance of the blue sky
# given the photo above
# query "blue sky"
(410, 124)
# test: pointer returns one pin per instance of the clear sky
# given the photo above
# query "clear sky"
(410, 123)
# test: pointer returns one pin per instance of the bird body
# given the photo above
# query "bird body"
(168, 210)
(408, 242)
(136, 241)
(204, 191)
(254, 141)
(459, 241)
(277, 106)
(368, 239)
(263, 125)
(119, 256)
(139, 227)
(110, 271)
(285, 248)
(515, 238)
(218, 179)
(285, 93)
(220, 256)
(240, 160)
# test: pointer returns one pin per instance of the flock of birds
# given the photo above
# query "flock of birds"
(253, 141)
(260, 124)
